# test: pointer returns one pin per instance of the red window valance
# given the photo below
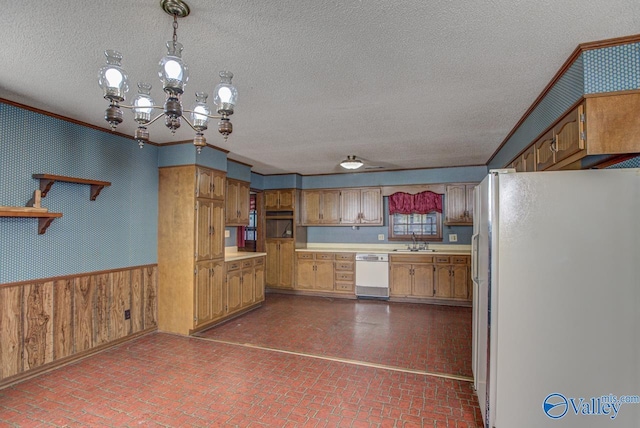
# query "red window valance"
(421, 203)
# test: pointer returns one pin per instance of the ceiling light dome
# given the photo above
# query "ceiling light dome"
(351, 162)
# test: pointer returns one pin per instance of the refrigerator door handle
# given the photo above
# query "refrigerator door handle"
(474, 257)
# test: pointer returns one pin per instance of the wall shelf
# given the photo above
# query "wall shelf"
(44, 218)
(47, 180)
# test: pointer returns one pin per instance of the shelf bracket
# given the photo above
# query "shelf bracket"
(47, 180)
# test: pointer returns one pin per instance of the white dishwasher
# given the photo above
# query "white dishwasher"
(372, 275)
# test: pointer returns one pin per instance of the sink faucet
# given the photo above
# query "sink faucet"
(413, 238)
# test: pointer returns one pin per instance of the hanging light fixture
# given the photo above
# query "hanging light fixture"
(174, 74)
(351, 162)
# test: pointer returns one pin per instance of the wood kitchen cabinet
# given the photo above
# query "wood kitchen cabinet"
(411, 276)
(237, 203)
(361, 206)
(314, 271)
(320, 207)
(244, 284)
(280, 200)
(190, 247)
(526, 162)
(280, 263)
(458, 201)
(453, 279)
(210, 293)
(259, 282)
(210, 183)
(345, 275)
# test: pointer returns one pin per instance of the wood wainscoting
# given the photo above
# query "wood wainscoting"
(50, 322)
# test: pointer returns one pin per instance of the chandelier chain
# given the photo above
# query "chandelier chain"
(175, 28)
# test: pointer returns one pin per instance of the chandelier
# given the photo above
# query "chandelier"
(174, 74)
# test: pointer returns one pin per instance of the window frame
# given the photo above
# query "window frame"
(391, 236)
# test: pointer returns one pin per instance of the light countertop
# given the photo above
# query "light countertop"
(231, 254)
(385, 248)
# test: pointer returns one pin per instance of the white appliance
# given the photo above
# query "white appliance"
(556, 299)
(372, 275)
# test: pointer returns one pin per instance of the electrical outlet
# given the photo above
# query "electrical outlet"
(127, 314)
(453, 237)
(227, 233)
(381, 237)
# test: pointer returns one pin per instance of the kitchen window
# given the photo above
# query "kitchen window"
(416, 216)
(427, 227)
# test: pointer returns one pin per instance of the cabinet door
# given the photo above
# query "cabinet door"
(217, 229)
(272, 268)
(218, 297)
(204, 182)
(529, 159)
(271, 200)
(518, 164)
(349, 206)
(204, 229)
(460, 279)
(455, 203)
(371, 206)
(568, 138)
(443, 282)
(545, 154)
(423, 280)
(259, 281)
(324, 275)
(305, 274)
(234, 291)
(310, 209)
(285, 264)
(243, 203)
(204, 294)
(400, 279)
(231, 205)
(331, 207)
(246, 280)
(286, 200)
(469, 202)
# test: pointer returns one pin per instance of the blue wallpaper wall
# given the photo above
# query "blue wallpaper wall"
(616, 68)
(118, 229)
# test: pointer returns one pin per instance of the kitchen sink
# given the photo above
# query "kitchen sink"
(408, 250)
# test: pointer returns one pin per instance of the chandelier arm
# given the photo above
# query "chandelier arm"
(189, 123)
(155, 118)
(202, 114)
(130, 107)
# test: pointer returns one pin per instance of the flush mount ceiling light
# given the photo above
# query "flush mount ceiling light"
(351, 162)
(173, 73)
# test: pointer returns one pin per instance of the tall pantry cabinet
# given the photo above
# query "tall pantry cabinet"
(190, 247)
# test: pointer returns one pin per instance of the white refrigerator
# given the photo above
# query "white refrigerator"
(556, 299)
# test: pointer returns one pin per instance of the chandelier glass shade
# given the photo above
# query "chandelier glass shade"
(173, 74)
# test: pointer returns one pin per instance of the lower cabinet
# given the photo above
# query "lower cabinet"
(244, 284)
(209, 292)
(280, 259)
(430, 276)
(326, 272)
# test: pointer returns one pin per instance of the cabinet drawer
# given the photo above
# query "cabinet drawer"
(443, 259)
(259, 261)
(344, 286)
(305, 255)
(411, 258)
(344, 276)
(345, 256)
(460, 260)
(233, 266)
(247, 263)
(324, 256)
(344, 266)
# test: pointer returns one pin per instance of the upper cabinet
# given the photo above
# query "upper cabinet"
(210, 183)
(237, 203)
(458, 200)
(342, 207)
(279, 200)
(565, 139)
(320, 207)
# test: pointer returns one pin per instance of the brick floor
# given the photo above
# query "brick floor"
(167, 380)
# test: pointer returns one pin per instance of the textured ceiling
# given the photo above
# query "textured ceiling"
(404, 84)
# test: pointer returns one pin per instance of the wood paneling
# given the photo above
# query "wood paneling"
(38, 324)
(10, 331)
(83, 297)
(120, 302)
(63, 344)
(55, 319)
(101, 288)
